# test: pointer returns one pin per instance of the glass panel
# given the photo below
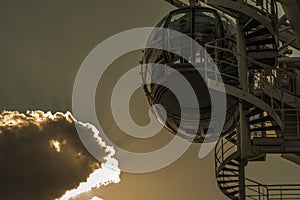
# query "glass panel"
(156, 36)
(162, 22)
(206, 26)
(228, 25)
(181, 22)
(287, 80)
(154, 55)
(207, 29)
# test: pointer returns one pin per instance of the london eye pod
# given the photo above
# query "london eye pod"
(205, 26)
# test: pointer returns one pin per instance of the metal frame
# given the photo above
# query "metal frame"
(251, 141)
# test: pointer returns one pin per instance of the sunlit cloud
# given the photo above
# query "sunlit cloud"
(96, 198)
(106, 174)
(42, 157)
(55, 144)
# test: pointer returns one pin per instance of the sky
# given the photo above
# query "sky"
(43, 44)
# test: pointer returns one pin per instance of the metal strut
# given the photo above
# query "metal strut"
(177, 3)
(194, 3)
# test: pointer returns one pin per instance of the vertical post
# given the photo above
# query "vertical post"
(298, 122)
(193, 3)
(244, 142)
(242, 62)
(298, 82)
(242, 182)
(258, 188)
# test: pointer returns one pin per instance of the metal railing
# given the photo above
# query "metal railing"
(263, 83)
(292, 122)
(268, 8)
(259, 81)
(257, 191)
(224, 151)
(289, 191)
(288, 80)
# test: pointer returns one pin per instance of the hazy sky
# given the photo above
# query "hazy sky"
(44, 42)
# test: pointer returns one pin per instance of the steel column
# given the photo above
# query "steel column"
(244, 143)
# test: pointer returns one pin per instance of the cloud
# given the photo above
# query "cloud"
(96, 198)
(42, 157)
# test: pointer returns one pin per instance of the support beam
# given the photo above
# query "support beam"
(282, 20)
(287, 28)
(289, 60)
(295, 158)
(177, 3)
(273, 145)
(242, 182)
(194, 3)
(287, 44)
(244, 140)
(298, 82)
(291, 10)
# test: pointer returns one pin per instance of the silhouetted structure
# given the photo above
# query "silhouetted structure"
(261, 80)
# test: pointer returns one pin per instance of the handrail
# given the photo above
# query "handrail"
(223, 150)
(259, 75)
(295, 123)
(284, 191)
(254, 189)
(268, 7)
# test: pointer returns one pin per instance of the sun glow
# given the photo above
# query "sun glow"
(55, 144)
